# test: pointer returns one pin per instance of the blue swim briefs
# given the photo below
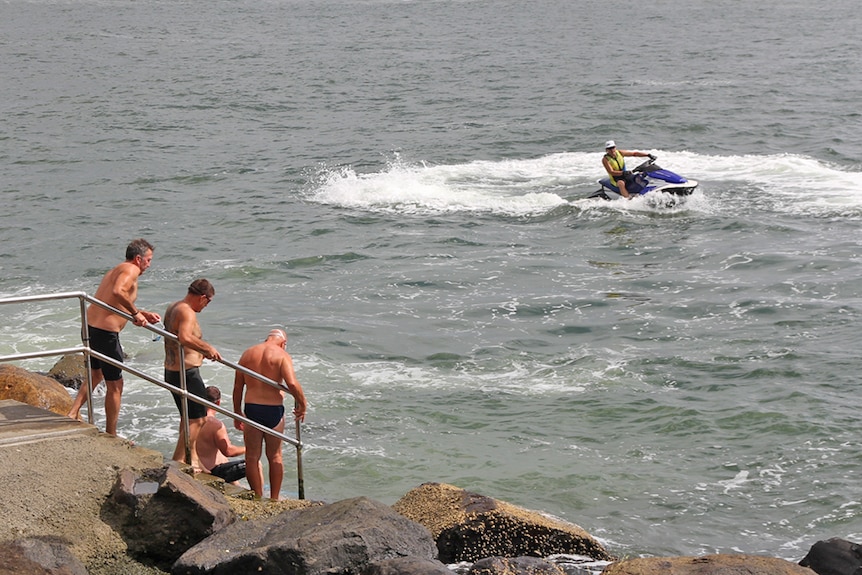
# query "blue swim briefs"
(268, 415)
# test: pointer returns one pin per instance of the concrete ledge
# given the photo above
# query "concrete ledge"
(21, 423)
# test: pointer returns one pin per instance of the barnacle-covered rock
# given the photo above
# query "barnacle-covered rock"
(469, 527)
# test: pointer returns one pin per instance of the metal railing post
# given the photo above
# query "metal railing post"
(299, 478)
(184, 405)
(88, 372)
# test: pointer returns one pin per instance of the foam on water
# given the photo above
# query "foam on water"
(527, 187)
(678, 378)
(509, 188)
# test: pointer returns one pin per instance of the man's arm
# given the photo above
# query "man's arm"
(636, 154)
(151, 316)
(224, 445)
(124, 291)
(289, 378)
(186, 324)
(238, 388)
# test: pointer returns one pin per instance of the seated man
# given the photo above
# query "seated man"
(615, 165)
(214, 447)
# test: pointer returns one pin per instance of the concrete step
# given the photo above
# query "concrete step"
(21, 423)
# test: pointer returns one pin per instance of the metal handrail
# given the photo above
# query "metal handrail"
(182, 391)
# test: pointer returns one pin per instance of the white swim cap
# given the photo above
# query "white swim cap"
(277, 333)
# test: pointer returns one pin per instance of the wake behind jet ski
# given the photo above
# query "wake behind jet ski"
(649, 178)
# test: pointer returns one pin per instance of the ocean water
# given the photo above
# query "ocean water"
(401, 185)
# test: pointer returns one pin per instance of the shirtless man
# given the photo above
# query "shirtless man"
(119, 288)
(264, 404)
(214, 446)
(182, 321)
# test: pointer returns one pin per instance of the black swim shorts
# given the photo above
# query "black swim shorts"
(195, 385)
(106, 343)
(230, 471)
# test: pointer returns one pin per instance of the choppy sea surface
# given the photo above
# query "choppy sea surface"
(402, 186)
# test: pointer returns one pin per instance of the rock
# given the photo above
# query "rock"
(13, 561)
(39, 556)
(161, 513)
(58, 486)
(470, 527)
(514, 566)
(343, 537)
(70, 370)
(33, 389)
(834, 557)
(706, 565)
(408, 566)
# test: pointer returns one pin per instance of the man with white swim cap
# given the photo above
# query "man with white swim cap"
(264, 404)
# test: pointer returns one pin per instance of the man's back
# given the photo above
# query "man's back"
(211, 434)
(269, 361)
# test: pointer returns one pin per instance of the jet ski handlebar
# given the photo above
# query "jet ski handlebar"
(648, 165)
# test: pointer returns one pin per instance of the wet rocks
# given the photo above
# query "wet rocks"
(161, 513)
(39, 556)
(468, 526)
(514, 566)
(834, 556)
(407, 566)
(347, 536)
(706, 565)
(70, 370)
(33, 389)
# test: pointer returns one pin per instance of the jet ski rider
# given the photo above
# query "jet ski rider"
(615, 164)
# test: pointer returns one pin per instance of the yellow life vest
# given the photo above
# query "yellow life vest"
(616, 162)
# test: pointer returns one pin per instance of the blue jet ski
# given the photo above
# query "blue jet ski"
(649, 178)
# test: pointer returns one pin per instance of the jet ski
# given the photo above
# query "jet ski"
(649, 178)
